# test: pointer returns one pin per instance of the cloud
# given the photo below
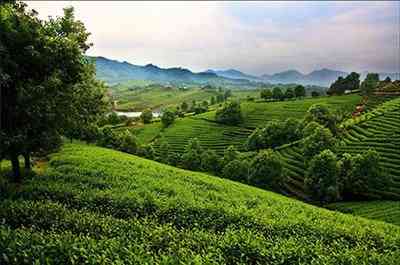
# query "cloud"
(257, 37)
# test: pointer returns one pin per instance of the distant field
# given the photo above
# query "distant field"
(387, 211)
(380, 131)
(218, 137)
(257, 114)
(98, 206)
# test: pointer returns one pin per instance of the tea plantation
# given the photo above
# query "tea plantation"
(97, 206)
(378, 129)
(388, 211)
(218, 137)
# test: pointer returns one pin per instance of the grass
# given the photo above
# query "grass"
(387, 211)
(98, 206)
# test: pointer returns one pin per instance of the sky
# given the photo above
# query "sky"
(254, 37)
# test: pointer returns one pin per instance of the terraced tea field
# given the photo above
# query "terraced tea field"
(217, 136)
(257, 114)
(97, 206)
(387, 211)
(378, 129)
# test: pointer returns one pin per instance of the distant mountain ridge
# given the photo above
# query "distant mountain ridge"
(113, 71)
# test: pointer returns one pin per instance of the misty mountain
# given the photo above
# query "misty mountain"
(112, 71)
(234, 74)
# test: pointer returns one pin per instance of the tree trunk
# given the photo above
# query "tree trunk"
(27, 160)
(15, 168)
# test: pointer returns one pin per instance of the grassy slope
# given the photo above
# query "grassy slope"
(101, 206)
(217, 136)
(388, 211)
(381, 132)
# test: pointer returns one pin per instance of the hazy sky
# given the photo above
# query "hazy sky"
(254, 37)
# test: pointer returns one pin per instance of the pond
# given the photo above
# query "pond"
(135, 114)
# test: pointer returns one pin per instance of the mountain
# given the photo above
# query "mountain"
(112, 71)
(323, 77)
(234, 74)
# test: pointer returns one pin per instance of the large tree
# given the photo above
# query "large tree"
(46, 82)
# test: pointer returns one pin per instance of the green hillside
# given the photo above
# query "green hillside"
(378, 129)
(98, 206)
(217, 136)
(388, 211)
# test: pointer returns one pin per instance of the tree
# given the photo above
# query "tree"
(320, 113)
(230, 154)
(237, 170)
(255, 140)
(321, 181)
(289, 93)
(299, 91)
(351, 82)
(212, 101)
(370, 83)
(164, 152)
(43, 78)
(347, 183)
(266, 169)
(210, 162)
(321, 139)
(127, 142)
(367, 172)
(314, 94)
(310, 128)
(227, 94)
(146, 116)
(266, 94)
(184, 106)
(230, 113)
(277, 93)
(167, 118)
(191, 159)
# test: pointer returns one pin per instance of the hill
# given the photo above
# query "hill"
(98, 206)
(323, 77)
(113, 71)
(235, 74)
(377, 129)
(218, 137)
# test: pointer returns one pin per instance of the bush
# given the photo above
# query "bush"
(321, 179)
(321, 139)
(191, 159)
(167, 118)
(146, 116)
(230, 154)
(210, 162)
(237, 170)
(127, 142)
(230, 113)
(266, 170)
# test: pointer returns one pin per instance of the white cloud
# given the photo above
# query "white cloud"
(201, 35)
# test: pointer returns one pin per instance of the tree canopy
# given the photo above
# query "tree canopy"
(46, 83)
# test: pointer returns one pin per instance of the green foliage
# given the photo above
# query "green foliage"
(210, 162)
(314, 94)
(320, 140)
(321, 179)
(321, 114)
(238, 170)
(184, 106)
(299, 91)
(370, 83)
(274, 134)
(146, 116)
(351, 82)
(266, 94)
(310, 128)
(167, 118)
(48, 87)
(266, 170)
(230, 113)
(277, 93)
(191, 159)
(98, 206)
(289, 93)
